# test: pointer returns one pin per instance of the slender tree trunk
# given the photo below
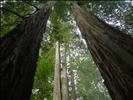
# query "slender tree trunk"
(64, 76)
(57, 75)
(112, 51)
(18, 55)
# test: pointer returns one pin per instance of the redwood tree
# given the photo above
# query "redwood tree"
(112, 51)
(64, 80)
(18, 55)
(57, 74)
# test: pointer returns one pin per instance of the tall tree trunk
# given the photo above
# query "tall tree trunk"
(112, 51)
(57, 75)
(18, 55)
(64, 76)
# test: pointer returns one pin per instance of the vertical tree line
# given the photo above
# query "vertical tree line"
(61, 82)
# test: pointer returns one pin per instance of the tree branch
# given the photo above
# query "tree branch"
(2, 8)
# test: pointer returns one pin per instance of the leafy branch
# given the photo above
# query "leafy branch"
(2, 8)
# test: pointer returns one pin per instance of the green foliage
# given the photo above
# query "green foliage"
(10, 20)
(58, 19)
(116, 13)
(128, 18)
(61, 8)
(43, 81)
(89, 83)
(62, 32)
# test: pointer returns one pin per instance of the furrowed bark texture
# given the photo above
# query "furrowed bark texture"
(64, 80)
(57, 74)
(18, 56)
(112, 51)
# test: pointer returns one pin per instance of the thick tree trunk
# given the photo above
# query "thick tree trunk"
(18, 56)
(64, 80)
(57, 74)
(112, 51)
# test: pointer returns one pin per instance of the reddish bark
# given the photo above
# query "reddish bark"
(111, 50)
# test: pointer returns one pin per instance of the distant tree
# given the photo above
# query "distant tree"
(57, 74)
(64, 78)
